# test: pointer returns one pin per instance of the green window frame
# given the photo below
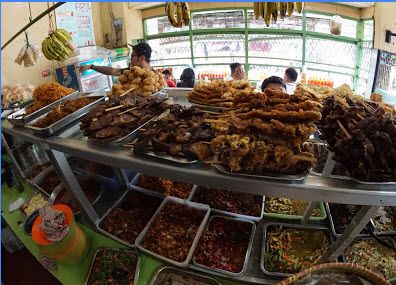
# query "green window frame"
(354, 45)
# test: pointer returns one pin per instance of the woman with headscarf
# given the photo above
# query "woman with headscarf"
(187, 79)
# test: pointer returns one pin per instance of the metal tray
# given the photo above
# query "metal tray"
(19, 120)
(165, 158)
(41, 177)
(200, 279)
(373, 184)
(296, 217)
(226, 213)
(66, 121)
(137, 270)
(208, 269)
(388, 239)
(333, 230)
(264, 245)
(384, 233)
(135, 182)
(185, 263)
(28, 171)
(128, 192)
(281, 177)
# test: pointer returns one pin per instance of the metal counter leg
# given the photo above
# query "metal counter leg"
(360, 220)
(68, 178)
(312, 205)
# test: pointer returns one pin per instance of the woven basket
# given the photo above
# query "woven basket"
(351, 268)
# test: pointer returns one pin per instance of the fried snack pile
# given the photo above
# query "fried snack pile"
(363, 138)
(62, 111)
(265, 132)
(183, 133)
(219, 92)
(119, 116)
(47, 93)
(142, 80)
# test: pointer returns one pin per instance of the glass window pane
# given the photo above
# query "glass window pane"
(333, 68)
(338, 79)
(275, 61)
(171, 47)
(330, 52)
(161, 25)
(215, 71)
(288, 23)
(261, 72)
(162, 62)
(227, 60)
(368, 32)
(275, 46)
(176, 70)
(366, 58)
(219, 45)
(218, 19)
(321, 24)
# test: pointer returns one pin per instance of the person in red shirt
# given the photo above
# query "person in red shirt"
(168, 76)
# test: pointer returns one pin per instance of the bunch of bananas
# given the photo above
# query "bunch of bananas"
(178, 13)
(57, 46)
(271, 10)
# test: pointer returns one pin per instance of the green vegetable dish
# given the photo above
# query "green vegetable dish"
(373, 255)
(113, 267)
(287, 206)
(290, 250)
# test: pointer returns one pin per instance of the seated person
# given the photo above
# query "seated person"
(290, 78)
(168, 78)
(273, 82)
(237, 72)
(187, 79)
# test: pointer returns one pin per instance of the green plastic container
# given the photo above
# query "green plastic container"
(274, 216)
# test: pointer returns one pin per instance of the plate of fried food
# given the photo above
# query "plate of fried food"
(143, 80)
(218, 93)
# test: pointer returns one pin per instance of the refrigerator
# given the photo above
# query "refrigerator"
(385, 77)
(88, 81)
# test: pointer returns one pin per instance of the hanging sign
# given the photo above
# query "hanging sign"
(76, 17)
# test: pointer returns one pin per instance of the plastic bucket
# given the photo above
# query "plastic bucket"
(71, 249)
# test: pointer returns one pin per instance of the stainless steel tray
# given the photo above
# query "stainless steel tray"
(236, 215)
(135, 182)
(333, 230)
(165, 158)
(28, 171)
(128, 192)
(19, 120)
(264, 245)
(137, 270)
(140, 238)
(373, 184)
(198, 278)
(41, 177)
(66, 121)
(281, 177)
(208, 269)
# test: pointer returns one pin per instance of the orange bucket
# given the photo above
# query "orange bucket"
(71, 249)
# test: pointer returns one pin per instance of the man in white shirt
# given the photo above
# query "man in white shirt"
(290, 78)
(237, 72)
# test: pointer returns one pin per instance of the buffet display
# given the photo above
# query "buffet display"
(260, 134)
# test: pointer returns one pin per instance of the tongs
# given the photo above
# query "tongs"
(382, 241)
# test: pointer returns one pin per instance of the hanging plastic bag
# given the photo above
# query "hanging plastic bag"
(336, 25)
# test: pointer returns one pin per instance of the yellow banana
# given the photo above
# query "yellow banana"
(186, 13)
(256, 9)
(44, 49)
(274, 11)
(282, 9)
(61, 37)
(262, 9)
(299, 7)
(267, 17)
(179, 14)
(290, 8)
(171, 14)
(65, 33)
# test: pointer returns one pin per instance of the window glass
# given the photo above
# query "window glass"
(171, 47)
(368, 30)
(218, 19)
(161, 25)
(261, 72)
(227, 60)
(288, 23)
(275, 46)
(219, 45)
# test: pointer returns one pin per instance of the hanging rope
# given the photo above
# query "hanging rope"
(30, 20)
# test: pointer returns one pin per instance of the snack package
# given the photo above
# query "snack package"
(336, 25)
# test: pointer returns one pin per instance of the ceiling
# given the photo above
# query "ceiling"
(358, 4)
(144, 5)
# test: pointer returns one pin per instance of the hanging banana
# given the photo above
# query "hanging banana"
(271, 10)
(57, 46)
(178, 13)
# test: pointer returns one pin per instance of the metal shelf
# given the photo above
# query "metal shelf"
(313, 188)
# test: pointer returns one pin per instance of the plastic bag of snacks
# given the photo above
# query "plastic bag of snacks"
(336, 25)
(15, 93)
